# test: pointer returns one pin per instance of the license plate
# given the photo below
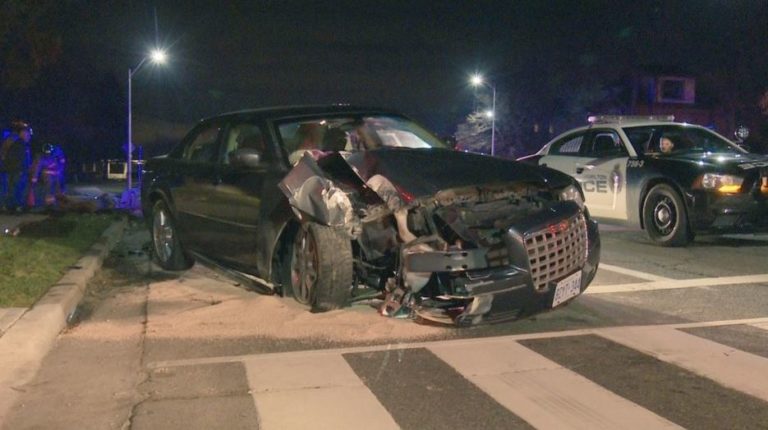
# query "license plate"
(567, 288)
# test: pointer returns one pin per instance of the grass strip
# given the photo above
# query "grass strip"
(42, 252)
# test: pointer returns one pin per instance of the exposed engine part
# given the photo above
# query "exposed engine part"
(398, 301)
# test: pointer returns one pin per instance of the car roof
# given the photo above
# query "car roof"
(303, 110)
(624, 122)
(619, 122)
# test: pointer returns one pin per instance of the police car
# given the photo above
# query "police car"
(672, 179)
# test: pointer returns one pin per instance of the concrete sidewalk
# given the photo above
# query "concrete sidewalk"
(26, 335)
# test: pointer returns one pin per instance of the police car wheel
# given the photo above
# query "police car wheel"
(665, 218)
(166, 247)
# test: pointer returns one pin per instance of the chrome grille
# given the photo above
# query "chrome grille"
(557, 250)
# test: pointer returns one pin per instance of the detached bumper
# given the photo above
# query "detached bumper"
(535, 259)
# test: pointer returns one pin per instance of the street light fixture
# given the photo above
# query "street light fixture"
(157, 56)
(477, 80)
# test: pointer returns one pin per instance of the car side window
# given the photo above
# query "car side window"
(203, 146)
(606, 144)
(569, 145)
(241, 136)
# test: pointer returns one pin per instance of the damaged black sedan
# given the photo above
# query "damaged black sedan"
(334, 204)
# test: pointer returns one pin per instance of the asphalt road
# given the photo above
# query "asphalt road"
(664, 338)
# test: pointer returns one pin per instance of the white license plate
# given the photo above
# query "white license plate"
(567, 288)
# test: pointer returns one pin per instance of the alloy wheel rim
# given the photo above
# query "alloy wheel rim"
(664, 215)
(304, 267)
(163, 235)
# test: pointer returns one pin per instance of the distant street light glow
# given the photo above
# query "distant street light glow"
(489, 113)
(158, 56)
(476, 79)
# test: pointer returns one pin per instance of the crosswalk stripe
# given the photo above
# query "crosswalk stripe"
(319, 391)
(468, 341)
(730, 367)
(544, 393)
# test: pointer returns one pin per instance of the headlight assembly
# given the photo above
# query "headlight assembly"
(572, 192)
(726, 184)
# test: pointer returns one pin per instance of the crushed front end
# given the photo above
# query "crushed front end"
(488, 255)
(464, 255)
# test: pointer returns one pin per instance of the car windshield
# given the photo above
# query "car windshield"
(675, 138)
(358, 133)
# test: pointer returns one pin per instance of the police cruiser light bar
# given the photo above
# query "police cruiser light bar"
(605, 119)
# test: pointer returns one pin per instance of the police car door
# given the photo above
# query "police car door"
(564, 153)
(602, 171)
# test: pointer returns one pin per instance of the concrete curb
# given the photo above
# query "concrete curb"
(23, 346)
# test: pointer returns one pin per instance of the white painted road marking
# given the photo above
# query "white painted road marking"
(313, 392)
(544, 393)
(678, 283)
(726, 365)
(472, 341)
(633, 273)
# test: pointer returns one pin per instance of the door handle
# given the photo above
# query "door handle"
(580, 168)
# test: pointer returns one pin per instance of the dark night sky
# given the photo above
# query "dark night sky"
(414, 56)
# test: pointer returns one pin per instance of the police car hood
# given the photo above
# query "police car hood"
(424, 172)
(722, 160)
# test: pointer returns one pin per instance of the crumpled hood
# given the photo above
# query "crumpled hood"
(424, 172)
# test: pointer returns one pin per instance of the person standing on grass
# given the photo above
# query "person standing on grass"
(47, 172)
(3, 172)
(16, 157)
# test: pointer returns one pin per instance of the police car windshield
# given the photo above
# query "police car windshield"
(675, 139)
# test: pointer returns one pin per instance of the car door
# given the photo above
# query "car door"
(602, 171)
(196, 184)
(236, 201)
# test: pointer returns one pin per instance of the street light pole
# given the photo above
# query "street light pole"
(157, 56)
(493, 122)
(129, 149)
(476, 80)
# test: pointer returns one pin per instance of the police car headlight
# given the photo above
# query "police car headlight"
(573, 193)
(721, 183)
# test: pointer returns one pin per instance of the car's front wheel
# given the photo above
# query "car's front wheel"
(665, 217)
(321, 271)
(166, 246)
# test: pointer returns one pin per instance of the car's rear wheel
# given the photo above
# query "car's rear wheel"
(321, 270)
(166, 246)
(665, 217)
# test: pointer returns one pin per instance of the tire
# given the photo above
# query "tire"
(320, 271)
(166, 247)
(665, 217)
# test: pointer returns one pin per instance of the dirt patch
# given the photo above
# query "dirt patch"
(203, 304)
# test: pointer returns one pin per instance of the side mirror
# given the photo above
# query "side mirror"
(245, 157)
